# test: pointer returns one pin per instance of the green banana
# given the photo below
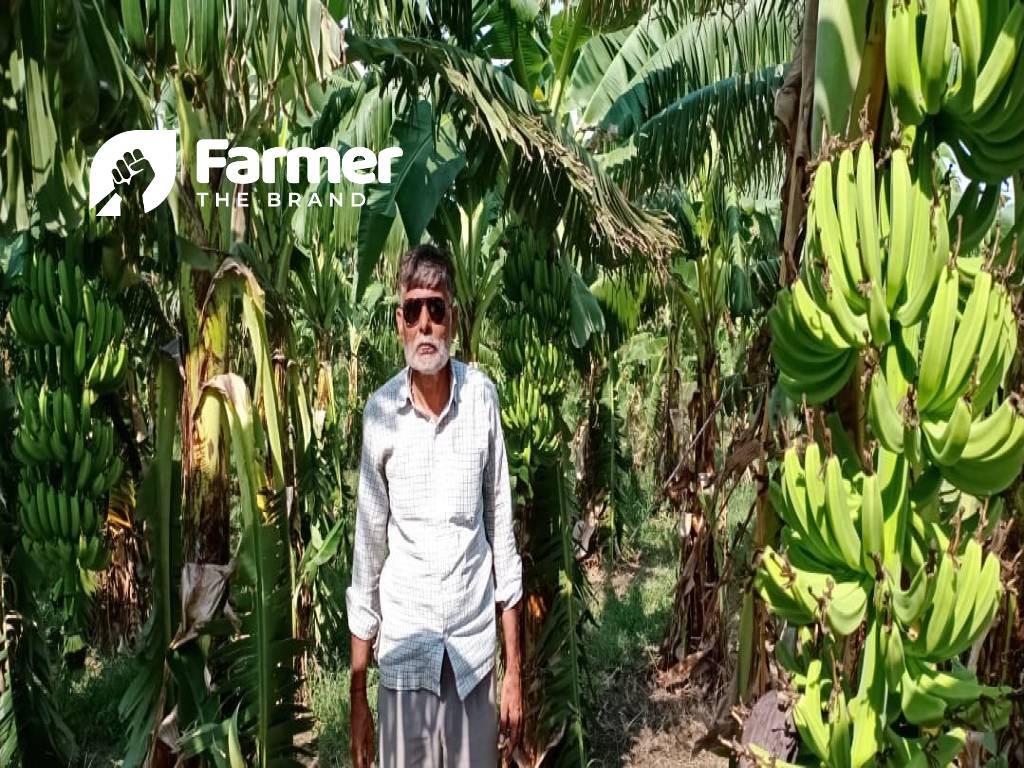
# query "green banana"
(920, 707)
(872, 524)
(929, 254)
(999, 63)
(964, 351)
(903, 198)
(807, 714)
(840, 522)
(901, 61)
(946, 440)
(867, 214)
(938, 338)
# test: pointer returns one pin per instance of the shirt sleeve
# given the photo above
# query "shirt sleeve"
(508, 566)
(370, 545)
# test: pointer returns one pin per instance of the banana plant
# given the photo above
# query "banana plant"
(604, 458)
(152, 694)
(30, 719)
(712, 290)
(258, 660)
(472, 229)
(906, 495)
(534, 378)
(655, 95)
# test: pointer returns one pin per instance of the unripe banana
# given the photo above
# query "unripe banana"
(936, 53)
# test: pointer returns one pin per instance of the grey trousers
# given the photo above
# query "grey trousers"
(418, 729)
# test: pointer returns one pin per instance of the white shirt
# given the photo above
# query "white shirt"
(434, 545)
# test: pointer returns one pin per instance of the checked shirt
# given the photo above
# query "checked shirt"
(434, 546)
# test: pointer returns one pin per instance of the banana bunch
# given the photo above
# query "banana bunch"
(48, 513)
(68, 452)
(47, 312)
(107, 370)
(853, 732)
(971, 220)
(530, 416)
(522, 404)
(963, 363)
(930, 696)
(872, 261)
(517, 269)
(56, 430)
(814, 360)
(59, 310)
(960, 602)
(546, 366)
(834, 525)
(546, 295)
(846, 544)
(875, 254)
(891, 285)
(518, 342)
(541, 362)
(807, 596)
(856, 733)
(965, 353)
(993, 455)
(979, 102)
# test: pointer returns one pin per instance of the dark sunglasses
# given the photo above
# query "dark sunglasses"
(436, 308)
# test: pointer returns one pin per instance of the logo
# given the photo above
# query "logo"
(146, 162)
(133, 161)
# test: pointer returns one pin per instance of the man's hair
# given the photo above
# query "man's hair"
(427, 266)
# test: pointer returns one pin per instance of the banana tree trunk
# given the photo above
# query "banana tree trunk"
(696, 633)
(554, 593)
(206, 512)
(668, 451)
(754, 674)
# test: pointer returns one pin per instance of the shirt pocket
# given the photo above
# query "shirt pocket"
(408, 484)
(463, 487)
(465, 464)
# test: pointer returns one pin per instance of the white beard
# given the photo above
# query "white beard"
(427, 362)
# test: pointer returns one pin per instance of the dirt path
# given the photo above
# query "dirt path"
(638, 722)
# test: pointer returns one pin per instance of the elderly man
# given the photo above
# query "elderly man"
(434, 548)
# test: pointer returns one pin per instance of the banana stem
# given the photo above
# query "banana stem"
(582, 12)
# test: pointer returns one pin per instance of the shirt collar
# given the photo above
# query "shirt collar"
(458, 374)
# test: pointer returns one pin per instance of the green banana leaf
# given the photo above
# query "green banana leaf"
(421, 177)
(258, 661)
(146, 701)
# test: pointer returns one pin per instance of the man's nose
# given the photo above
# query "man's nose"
(423, 321)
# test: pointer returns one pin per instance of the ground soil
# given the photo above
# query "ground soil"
(640, 721)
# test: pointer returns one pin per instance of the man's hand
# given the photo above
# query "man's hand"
(362, 742)
(511, 729)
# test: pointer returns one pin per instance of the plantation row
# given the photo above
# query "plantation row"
(710, 254)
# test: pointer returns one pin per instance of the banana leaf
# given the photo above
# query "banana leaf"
(258, 660)
(144, 704)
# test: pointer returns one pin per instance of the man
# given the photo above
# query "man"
(434, 548)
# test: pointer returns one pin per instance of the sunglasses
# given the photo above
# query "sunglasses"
(436, 308)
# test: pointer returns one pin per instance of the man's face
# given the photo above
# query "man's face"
(427, 340)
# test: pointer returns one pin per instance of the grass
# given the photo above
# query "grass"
(88, 699)
(633, 600)
(329, 702)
